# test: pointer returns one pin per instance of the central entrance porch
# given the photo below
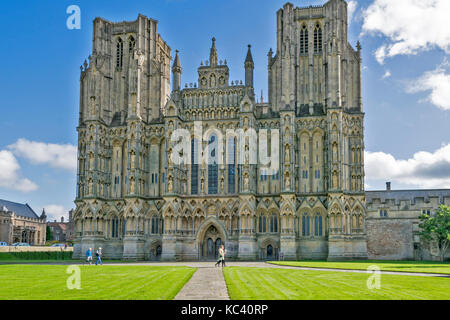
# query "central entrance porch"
(209, 240)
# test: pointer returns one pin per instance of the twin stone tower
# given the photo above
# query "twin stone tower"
(136, 201)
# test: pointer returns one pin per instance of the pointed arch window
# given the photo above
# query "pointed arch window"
(304, 40)
(194, 166)
(318, 225)
(131, 44)
(212, 165)
(231, 161)
(119, 54)
(115, 228)
(317, 39)
(274, 223)
(305, 225)
(155, 224)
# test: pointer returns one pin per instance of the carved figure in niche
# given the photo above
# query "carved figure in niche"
(246, 154)
(169, 156)
(133, 160)
(287, 181)
(246, 181)
(287, 154)
(335, 180)
(170, 184)
(335, 151)
(91, 161)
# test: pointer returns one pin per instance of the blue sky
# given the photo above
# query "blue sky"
(406, 85)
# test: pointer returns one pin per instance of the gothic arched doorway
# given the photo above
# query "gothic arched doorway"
(269, 252)
(158, 253)
(209, 247)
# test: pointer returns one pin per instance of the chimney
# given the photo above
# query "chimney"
(388, 186)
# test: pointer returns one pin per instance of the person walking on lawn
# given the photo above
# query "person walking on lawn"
(221, 256)
(99, 256)
(89, 256)
(224, 252)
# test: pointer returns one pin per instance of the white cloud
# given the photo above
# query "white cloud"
(423, 170)
(10, 176)
(410, 26)
(56, 155)
(55, 212)
(436, 81)
(386, 75)
(351, 8)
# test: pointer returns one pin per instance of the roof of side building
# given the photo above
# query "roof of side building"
(398, 195)
(23, 210)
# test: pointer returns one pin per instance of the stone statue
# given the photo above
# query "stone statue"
(335, 151)
(246, 154)
(335, 180)
(287, 154)
(133, 160)
(170, 184)
(91, 161)
(246, 181)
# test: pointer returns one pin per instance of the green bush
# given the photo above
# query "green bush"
(54, 255)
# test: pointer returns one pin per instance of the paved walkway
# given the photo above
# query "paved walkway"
(207, 283)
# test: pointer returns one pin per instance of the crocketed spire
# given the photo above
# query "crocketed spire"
(249, 57)
(213, 54)
(176, 67)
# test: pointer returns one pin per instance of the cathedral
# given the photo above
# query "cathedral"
(281, 179)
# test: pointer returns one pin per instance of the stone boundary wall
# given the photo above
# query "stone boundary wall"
(390, 239)
(35, 249)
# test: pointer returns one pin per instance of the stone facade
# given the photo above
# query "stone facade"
(19, 223)
(392, 223)
(136, 202)
(62, 231)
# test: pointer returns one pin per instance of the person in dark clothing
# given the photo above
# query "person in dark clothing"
(220, 258)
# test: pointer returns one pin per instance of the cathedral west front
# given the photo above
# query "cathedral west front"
(171, 172)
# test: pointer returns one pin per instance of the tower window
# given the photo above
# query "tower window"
(231, 165)
(212, 165)
(131, 45)
(304, 40)
(119, 54)
(194, 167)
(317, 39)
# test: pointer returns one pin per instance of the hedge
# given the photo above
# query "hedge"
(51, 255)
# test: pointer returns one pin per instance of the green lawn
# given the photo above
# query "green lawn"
(39, 282)
(287, 284)
(402, 266)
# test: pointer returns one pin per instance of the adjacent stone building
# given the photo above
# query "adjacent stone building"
(19, 223)
(137, 202)
(392, 223)
(62, 231)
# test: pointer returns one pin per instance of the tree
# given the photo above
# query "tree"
(49, 234)
(437, 228)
